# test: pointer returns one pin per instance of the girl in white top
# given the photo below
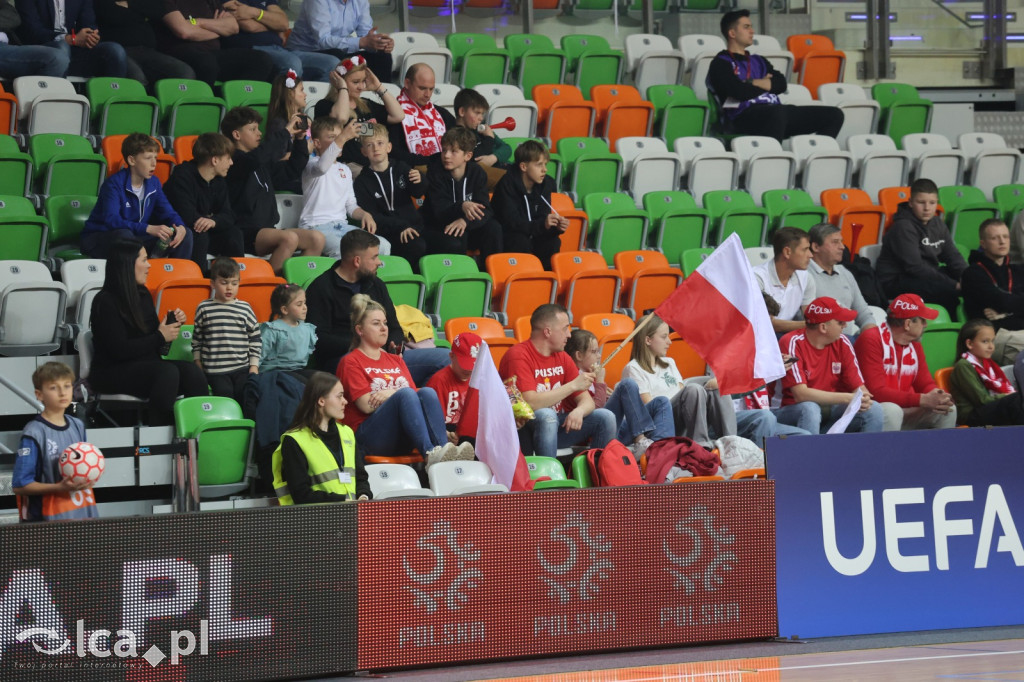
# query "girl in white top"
(696, 405)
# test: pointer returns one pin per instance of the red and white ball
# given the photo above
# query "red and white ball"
(81, 463)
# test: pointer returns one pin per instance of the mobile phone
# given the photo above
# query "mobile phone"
(365, 128)
(171, 319)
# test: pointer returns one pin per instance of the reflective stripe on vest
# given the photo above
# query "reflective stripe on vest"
(321, 464)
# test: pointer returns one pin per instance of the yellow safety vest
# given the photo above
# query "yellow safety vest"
(322, 466)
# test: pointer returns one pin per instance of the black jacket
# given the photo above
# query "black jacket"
(131, 26)
(251, 184)
(295, 469)
(445, 194)
(917, 250)
(399, 190)
(987, 285)
(520, 211)
(38, 16)
(116, 340)
(193, 197)
(329, 309)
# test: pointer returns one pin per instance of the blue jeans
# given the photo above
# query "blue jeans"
(310, 66)
(408, 419)
(97, 244)
(756, 425)
(106, 59)
(653, 419)
(811, 418)
(32, 60)
(423, 363)
(543, 434)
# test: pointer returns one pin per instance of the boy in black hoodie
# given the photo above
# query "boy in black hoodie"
(457, 210)
(918, 254)
(994, 289)
(199, 193)
(386, 189)
(522, 202)
(251, 189)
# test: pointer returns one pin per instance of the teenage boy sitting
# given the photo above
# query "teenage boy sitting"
(129, 200)
(522, 203)
(199, 193)
(327, 186)
(470, 111)
(251, 189)
(457, 210)
(386, 189)
(43, 494)
(918, 254)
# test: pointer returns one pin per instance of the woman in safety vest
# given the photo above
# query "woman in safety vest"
(316, 460)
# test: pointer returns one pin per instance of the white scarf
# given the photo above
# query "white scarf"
(907, 365)
(423, 126)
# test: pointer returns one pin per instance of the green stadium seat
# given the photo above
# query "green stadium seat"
(677, 223)
(404, 286)
(939, 344)
(66, 164)
(181, 347)
(550, 467)
(67, 215)
(692, 258)
(224, 443)
(902, 110)
(188, 107)
(792, 208)
(255, 94)
(589, 166)
(15, 168)
(735, 211)
(16, 205)
(965, 209)
(535, 60)
(615, 224)
(455, 286)
(121, 106)
(23, 237)
(1010, 199)
(302, 270)
(477, 59)
(677, 112)
(581, 471)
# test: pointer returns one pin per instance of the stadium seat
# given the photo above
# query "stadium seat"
(759, 254)
(647, 279)
(462, 478)
(689, 363)
(595, 66)
(792, 208)
(520, 285)
(677, 112)
(251, 268)
(860, 113)
(698, 76)
(939, 345)
(581, 472)
(183, 148)
(486, 328)
(648, 166)
(404, 286)
(877, 163)
(412, 47)
(302, 270)
(224, 443)
(942, 378)
(66, 164)
(316, 91)
(563, 113)
(676, 223)
(444, 95)
(706, 165)
(764, 166)
(965, 209)
(797, 95)
(477, 59)
(455, 286)
(849, 208)
(816, 61)
(616, 224)
(177, 283)
(822, 165)
(651, 59)
(534, 60)
(1010, 198)
(121, 106)
(621, 112)
(781, 60)
(86, 352)
(16, 205)
(256, 292)
(589, 166)
(586, 283)
(8, 112)
(49, 104)
(602, 325)
(395, 481)
(67, 215)
(574, 45)
(540, 467)
(934, 158)
(694, 44)
(15, 168)
(181, 347)
(890, 199)
(871, 252)
(253, 94)
(83, 279)
(613, 367)
(508, 101)
(941, 313)
(289, 208)
(32, 308)
(575, 236)
(903, 111)
(989, 161)
(188, 107)
(521, 329)
(23, 237)
(692, 258)
(735, 211)
(111, 148)
(165, 269)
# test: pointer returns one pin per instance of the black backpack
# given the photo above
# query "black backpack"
(870, 287)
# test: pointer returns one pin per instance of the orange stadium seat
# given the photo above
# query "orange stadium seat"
(8, 112)
(607, 325)
(687, 361)
(111, 150)
(890, 199)
(520, 284)
(621, 112)
(647, 279)
(942, 377)
(498, 348)
(587, 284)
(521, 328)
(165, 269)
(252, 268)
(848, 208)
(562, 112)
(613, 370)
(802, 43)
(574, 237)
(185, 293)
(485, 327)
(183, 148)
(256, 292)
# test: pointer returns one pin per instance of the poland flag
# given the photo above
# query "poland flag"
(720, 312)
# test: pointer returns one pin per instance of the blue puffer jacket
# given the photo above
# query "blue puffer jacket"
(117, 207)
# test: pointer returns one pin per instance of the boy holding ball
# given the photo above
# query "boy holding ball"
(43, 495)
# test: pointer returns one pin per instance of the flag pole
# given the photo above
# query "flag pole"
(629, 338)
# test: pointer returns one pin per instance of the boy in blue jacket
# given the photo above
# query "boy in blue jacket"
(132, 205)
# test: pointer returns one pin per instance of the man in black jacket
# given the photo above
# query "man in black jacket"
(25, 60)
(328, 302)
(747, 88)
(199, 193)
(994, 289)
(130, 23)
(251, 188)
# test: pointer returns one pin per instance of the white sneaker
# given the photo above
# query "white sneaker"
(440, 453)
(640, 447)
(465, 451)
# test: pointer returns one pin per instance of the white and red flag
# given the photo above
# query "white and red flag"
(720, 312)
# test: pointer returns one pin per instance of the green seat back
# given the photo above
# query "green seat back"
(181, 347)
(600, 204)
(939, 344)
(15, 168)
(615, 224)
(224, 437)
(571, 148)
(302, 270)
(575, 44)
(943, 314)
(692, 258)
(590, 167)
(540, 67)
(792, 208)
(67, 215)
(462, 295)
(68, 162)
(404, 286)
(23, 237)
(246, 93)
(953, 197)
(188, 107)
(1010, 199)
(436, 266)
(581, 472)
(735, 211)
(461, 43)
(677, 224)
(550, 467)
(484, 66)
(598, 67)
(887, 94)
(16, 205)
(393, 265)
(169, 91)
(121, 106)
(519, 44)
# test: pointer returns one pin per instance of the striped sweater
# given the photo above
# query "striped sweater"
(226, 336)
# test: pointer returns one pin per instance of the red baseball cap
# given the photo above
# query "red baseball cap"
(826, 308)
(465, 348)
(906, 306)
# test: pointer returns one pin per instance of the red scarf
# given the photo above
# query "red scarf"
(758, 400)
(897, 369)
(423, 127)
(991, 374)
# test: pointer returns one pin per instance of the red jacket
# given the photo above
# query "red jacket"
(869, 355)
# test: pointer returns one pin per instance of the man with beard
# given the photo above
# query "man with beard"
(328, 301)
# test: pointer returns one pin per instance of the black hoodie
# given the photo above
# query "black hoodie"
(250, 183)
(445, 195)
(987, 285)
(392, 209)
(520, 211)
(193, 197)
(917, 250)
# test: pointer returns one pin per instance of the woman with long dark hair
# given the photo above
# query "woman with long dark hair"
(128, 338)
(317, 459)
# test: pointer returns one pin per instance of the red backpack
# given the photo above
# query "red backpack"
(613, 465)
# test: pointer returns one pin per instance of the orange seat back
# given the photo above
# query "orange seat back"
(687, 361)
(568, 263)
(610, 324)
(651, 286)
(592, 291)
(501, 266)
(183, 148)
(890, 199)
(545, 96)
(802, 43)
(569, 119)
(256, 292)
(498, 348)
(942, 377)
(252, 268)
(628, 263)
(185, 294)
(110, 147)
(486, 328)
(166, 269)
(521, 328)
(613, 370)
(820, 67)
